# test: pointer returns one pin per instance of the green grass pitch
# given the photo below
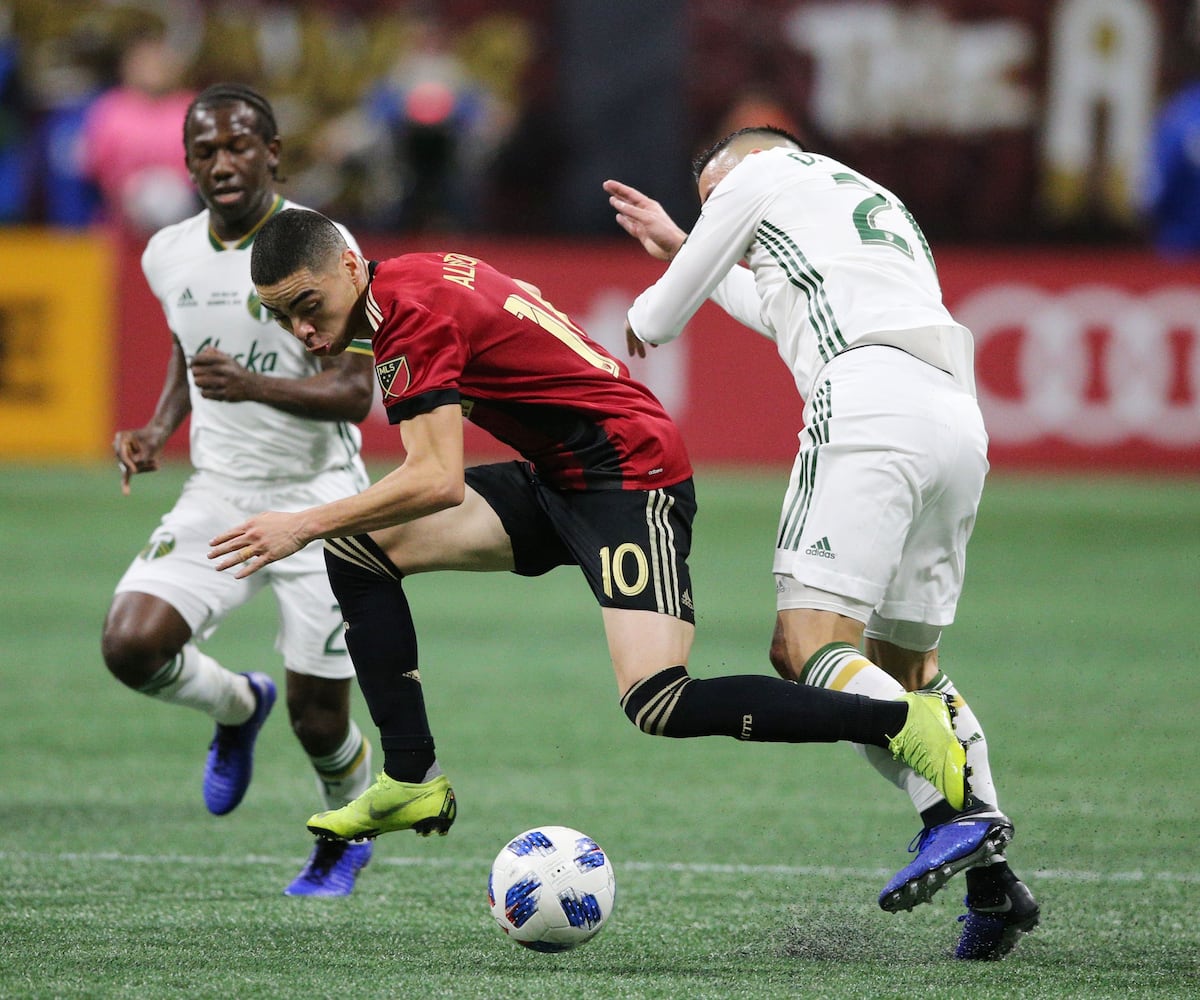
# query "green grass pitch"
(742, 870)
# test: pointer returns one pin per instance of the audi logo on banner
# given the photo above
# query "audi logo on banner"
(1092, 365)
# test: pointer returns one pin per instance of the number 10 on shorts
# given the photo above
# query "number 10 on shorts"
(614, 565)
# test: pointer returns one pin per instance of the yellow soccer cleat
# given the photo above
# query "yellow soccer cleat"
(927, 744)
(390, 805)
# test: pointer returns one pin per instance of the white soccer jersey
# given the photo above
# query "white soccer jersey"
(835, 262)
(205, 290)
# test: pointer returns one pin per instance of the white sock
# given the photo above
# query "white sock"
(346, 773)
(968, 729)
(197, 681)
(841, 667)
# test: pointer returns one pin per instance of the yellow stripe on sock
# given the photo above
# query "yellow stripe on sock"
(848, 673)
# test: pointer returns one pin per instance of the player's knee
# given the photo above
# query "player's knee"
(319, 722)
(319, 731)
(649, 703)
(132, 654)
(780, 660)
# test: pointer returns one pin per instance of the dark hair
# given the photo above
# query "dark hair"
(221, 94)
(701, 161)
(293, 240)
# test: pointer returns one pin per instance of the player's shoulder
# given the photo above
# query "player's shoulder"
(439, 282)
(411, 269)
(178, 234)
(799, 168)
(180, 240)
(398, 282)
(794, 162)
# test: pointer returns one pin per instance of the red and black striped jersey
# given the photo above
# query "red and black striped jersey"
(450, 328)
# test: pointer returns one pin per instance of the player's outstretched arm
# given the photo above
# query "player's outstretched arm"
(342, 390)
(138, 450)
(431, 479)
(645, 220)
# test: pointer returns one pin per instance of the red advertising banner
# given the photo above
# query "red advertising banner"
(1084, 361)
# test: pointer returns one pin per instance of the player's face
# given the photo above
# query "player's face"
(231, 165)
(317, 308)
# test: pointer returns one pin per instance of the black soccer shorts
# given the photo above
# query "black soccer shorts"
(632, 545)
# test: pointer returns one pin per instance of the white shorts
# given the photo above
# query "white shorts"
(175, 567)
(884, 491)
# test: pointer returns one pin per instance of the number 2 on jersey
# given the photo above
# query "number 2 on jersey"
(868, 232)
(557, 325)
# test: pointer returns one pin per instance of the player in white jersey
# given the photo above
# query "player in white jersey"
(883, 495)
(271, 426)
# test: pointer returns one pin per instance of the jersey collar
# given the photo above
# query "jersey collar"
(218, 244)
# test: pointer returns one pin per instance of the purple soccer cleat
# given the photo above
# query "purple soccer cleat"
(230, 761)
(943, 851)
(332, 869)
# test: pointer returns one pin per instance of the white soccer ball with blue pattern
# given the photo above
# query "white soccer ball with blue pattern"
(551, 888)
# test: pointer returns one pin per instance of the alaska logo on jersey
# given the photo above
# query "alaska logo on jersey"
(255, 359)
(394, 377)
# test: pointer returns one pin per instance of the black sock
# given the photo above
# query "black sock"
(943, 812)
(986, 883)
(382, 641)
(758, 708)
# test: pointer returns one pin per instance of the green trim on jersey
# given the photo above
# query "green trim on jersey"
(344, 435)
(808, 279)
(218, 244)
(360, 346)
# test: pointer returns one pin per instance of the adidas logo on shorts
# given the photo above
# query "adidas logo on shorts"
(820, 548)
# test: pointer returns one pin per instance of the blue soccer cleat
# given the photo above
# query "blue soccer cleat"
(943, 851)
(231, 754)
(995, 919)
(331, 869)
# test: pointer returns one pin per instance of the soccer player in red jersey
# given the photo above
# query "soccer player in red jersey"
(606, 485)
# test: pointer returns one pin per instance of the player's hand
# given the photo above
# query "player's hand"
(218, 376)
(256, 543)
(637, 348)
(645, 220)
(135, 453)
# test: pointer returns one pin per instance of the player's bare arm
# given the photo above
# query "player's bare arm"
(429, 480)
(138, 450)
(645, 220)
(341, 391)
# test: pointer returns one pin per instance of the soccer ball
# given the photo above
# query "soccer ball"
(551, 888)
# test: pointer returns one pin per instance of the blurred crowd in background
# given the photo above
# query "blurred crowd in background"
(388, 115)
(1002, 121)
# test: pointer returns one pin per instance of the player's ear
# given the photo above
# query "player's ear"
(355, 267)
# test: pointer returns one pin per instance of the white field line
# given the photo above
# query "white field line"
(689, 868)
